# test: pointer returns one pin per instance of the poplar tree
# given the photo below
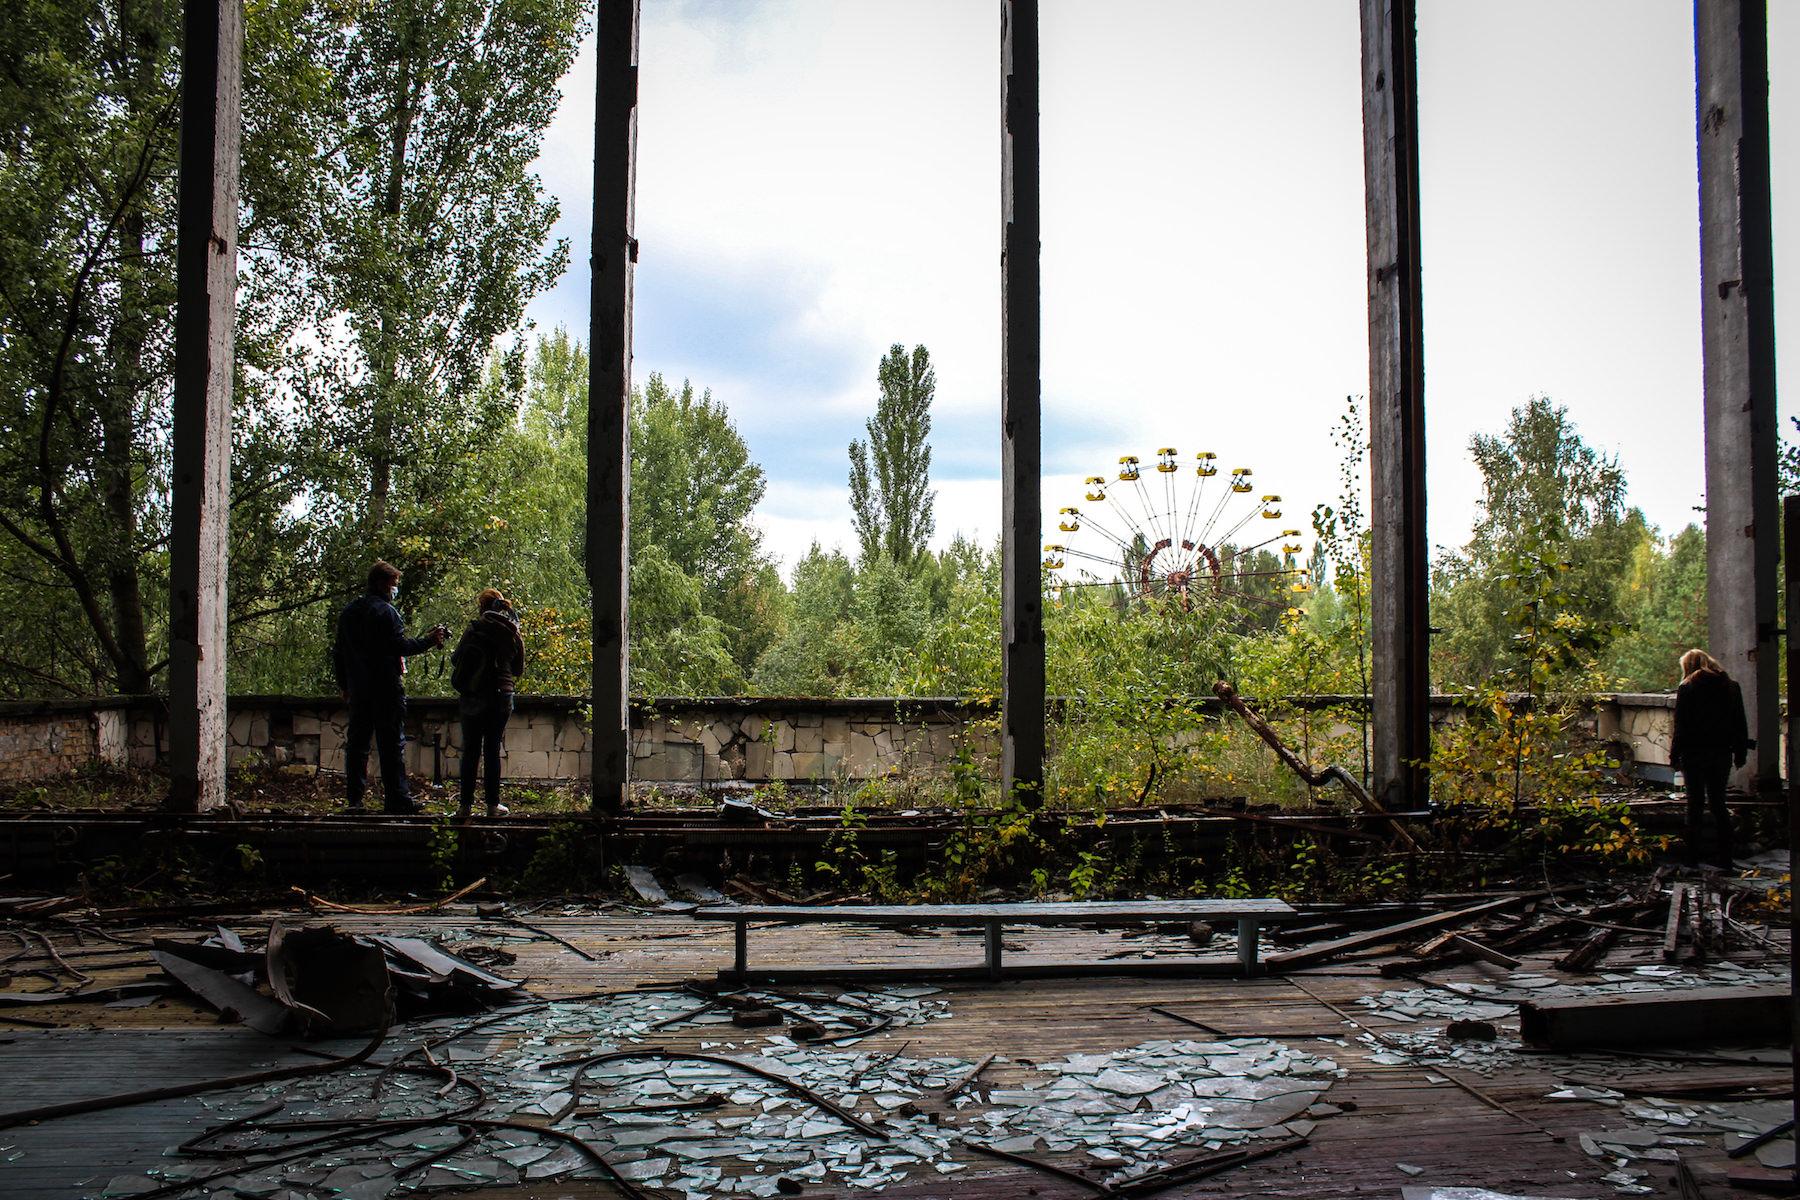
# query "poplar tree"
(890, 473)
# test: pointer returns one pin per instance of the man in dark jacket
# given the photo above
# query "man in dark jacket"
(485, 668)
(369, 658)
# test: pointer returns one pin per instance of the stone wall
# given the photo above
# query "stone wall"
(44, 740)
(1643, 721)
(673, 740)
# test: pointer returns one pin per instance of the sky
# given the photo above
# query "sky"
(819, 179)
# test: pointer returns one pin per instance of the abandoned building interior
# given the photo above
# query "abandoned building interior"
(734, 994)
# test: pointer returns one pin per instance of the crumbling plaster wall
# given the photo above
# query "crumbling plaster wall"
(673, 740)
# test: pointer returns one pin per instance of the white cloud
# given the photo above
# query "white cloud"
(1203, 244)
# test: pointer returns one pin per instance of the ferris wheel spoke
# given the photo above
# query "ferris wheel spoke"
(1261, 545)
(1149, 508)
(1206, 530)
(1168, 495)
(1125, 515)
(1111, 562)
(1193, 510)
(1097, 527)
(1243, 521)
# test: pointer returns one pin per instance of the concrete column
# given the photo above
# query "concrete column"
(1737, 295)
(1401, 569)
(1021, 421)
(609, 394)
(205, 325)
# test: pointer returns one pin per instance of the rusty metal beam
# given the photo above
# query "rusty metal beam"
(1401, 567)
(609, 396)
(1737, 296)
(1021, 418)
(205, 326)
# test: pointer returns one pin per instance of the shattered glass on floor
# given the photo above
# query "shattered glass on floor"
(1129, 1109)
(1660, 1130)
(1487, 1001)
(671, 1123)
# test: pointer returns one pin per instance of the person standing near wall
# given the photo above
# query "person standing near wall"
(1711, 736)
(369, 659)
(484, 670)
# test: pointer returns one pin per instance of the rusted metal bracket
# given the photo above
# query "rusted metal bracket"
(1299, 766)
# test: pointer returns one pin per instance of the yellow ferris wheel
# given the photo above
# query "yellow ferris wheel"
(1191, 531)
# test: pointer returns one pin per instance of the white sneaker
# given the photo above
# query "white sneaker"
(498, 810)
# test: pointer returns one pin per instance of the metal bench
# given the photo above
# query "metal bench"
(1250, 915)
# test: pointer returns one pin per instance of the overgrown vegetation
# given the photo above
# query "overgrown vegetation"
(388, 401)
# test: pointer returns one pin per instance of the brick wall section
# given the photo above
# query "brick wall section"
(673, 740)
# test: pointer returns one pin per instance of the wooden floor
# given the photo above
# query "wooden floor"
(1394, 1114)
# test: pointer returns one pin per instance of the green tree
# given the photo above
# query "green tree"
(959, 653)
(890, 474)
(434, 237)
(89, 102)
(677, 647)
(694, 490)
(1551, 544)
(700, 588)
(1664, 610)
(811, 657)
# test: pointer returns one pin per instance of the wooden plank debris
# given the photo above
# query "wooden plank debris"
(965, 1079)
(1587, 955)
(1484, 952)
(1751, 1014)
(1299, 766)
(1306, 956)
(1672, 931)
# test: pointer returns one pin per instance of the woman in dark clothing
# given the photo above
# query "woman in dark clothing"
(484, 669)
(1711, 736)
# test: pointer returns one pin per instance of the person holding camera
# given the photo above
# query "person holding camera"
(369, 659)
(484, 669)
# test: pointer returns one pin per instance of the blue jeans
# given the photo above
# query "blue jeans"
(482, 732)
(382, 718)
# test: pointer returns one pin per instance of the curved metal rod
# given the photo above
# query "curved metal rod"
(1300, 767)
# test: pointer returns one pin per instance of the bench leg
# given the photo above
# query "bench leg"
(993, 949)
(1247, 937)
(743, 948)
